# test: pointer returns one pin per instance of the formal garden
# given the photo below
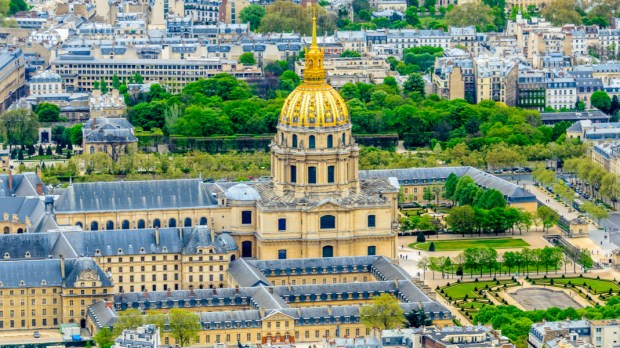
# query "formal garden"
(470, 297)
(462, 244)
(588, 288)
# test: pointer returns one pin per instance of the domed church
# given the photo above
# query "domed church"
(316, 205)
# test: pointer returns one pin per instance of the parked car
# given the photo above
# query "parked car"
(36, 334)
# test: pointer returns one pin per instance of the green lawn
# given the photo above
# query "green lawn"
(597, 285)
(458, 291)
(462, 244)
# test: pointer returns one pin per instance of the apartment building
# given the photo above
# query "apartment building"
(496, 79)
(464, 38)
(561, 92)
(46, 82)
(106, 105)
(12, 76)
(343, 70)
(531, 86)
(453, 78)
(80, 72)
(112, 136)
(575, 333)
(595, 133)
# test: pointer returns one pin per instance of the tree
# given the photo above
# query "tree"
(450, 186)
(19, 127)
(116, 82)
(417, 318)
(76, 134)
(421, 238)
(17, 6)
(524, 222)
(47, 112)
(384, 313)
(350, 54)
(423, 264)
(601, 101)
(411, 16)
(471, 13)
(465, 191)
(585, 259)
(431, 247)
(252, 15)
(184, 325)
(137, 78)
(460, 220)
(247, 58)
(103, 338)
(548, 217)
(491, 198)
(103, 86)
(560, 12)
(428, 195)
(129, 319)
(48, 151)
(415, 84)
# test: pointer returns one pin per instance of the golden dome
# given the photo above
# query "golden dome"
(314, 103)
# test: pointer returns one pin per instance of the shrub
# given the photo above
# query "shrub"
(476, 280)
(581, 275)
(598, 277)
(431, 247)
(551, 281)
(475, 288)
(448, 284)
(563, 276)
(421, 237)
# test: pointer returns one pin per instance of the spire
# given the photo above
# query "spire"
(314, 72)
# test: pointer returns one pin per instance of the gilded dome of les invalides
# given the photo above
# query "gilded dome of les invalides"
(314, 103)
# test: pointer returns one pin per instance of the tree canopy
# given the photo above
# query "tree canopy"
(383, 314)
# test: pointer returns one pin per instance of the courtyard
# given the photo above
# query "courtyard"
(537, 298)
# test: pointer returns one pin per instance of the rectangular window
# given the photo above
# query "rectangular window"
(293, 174)
(372, 250)
(330, 174)
(311, 175)
(246, 217)
(371, 221)
(282, 254)
(282, 224)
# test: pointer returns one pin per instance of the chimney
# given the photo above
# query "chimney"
(62, 267)
(157, 236)
(169, 293)
(123, 295)
(40, 189)
(212, 235)
(92, 127)
(261, 310)
(146, 293)
(39, 173)
(271, 289)
(236, 289)
(214, 291)
(181, 233)
(191, 291)
(396, 283)
(329, 309)
(109, 304)
(10, 181)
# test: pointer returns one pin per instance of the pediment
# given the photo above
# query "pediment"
(327, 205)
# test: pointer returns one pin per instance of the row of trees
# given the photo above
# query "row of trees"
(480, 259)
(183, 325)
(516, 324)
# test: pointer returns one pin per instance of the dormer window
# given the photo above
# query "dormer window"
(27, 254)
(142, 251)
(120, 251)
(164, 249)
(7, 256)
(22, 283)
(43, 282)
(98, 252)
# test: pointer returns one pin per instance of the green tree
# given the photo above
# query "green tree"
(19, 127)
(460, 219)
(116, 82)
(601, 101)
(252, 15)
(247, 58)
(417, 318)
(471, 13)
(428, 194)
(17, 6)
(137, 78)
(450, 187)
(547, 216)
(431, 247)
(48, 151)
(560, 12)
(184, 325)
(491, 198)
(411, 16)
(350, 54)
(103, 338)
(415, 84)
(47, 112)
(421, 238)
(128, 319)
(585, 259)
(76, 134)
(384, 313)
(103, 86)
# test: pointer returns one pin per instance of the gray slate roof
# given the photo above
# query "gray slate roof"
(108, 130)
(74, 267)
(38, 245)
(27, 207)
(512, 192)
(102, 315)
(247, 274)
(24, 185)
(135, 195)
(30, 273)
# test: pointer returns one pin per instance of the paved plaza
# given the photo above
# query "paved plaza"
(537, 298)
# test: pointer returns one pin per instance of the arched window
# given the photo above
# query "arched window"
(294, 140)
(282, 138)
(125, 224)
(344, 139)
(203, 221)
(312, 142)
(328, 222)
(172, 223)
(232, 257)
(105, 148)
(7, 230)
(109, 225)
(330, 141)
(79, 224)
(94, 226)
(141, 223)
(328, 251)
(20, 230)
(156, 223)
(188, 222)
(92, 150)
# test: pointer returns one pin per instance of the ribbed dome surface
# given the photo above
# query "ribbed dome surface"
(314, 105)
